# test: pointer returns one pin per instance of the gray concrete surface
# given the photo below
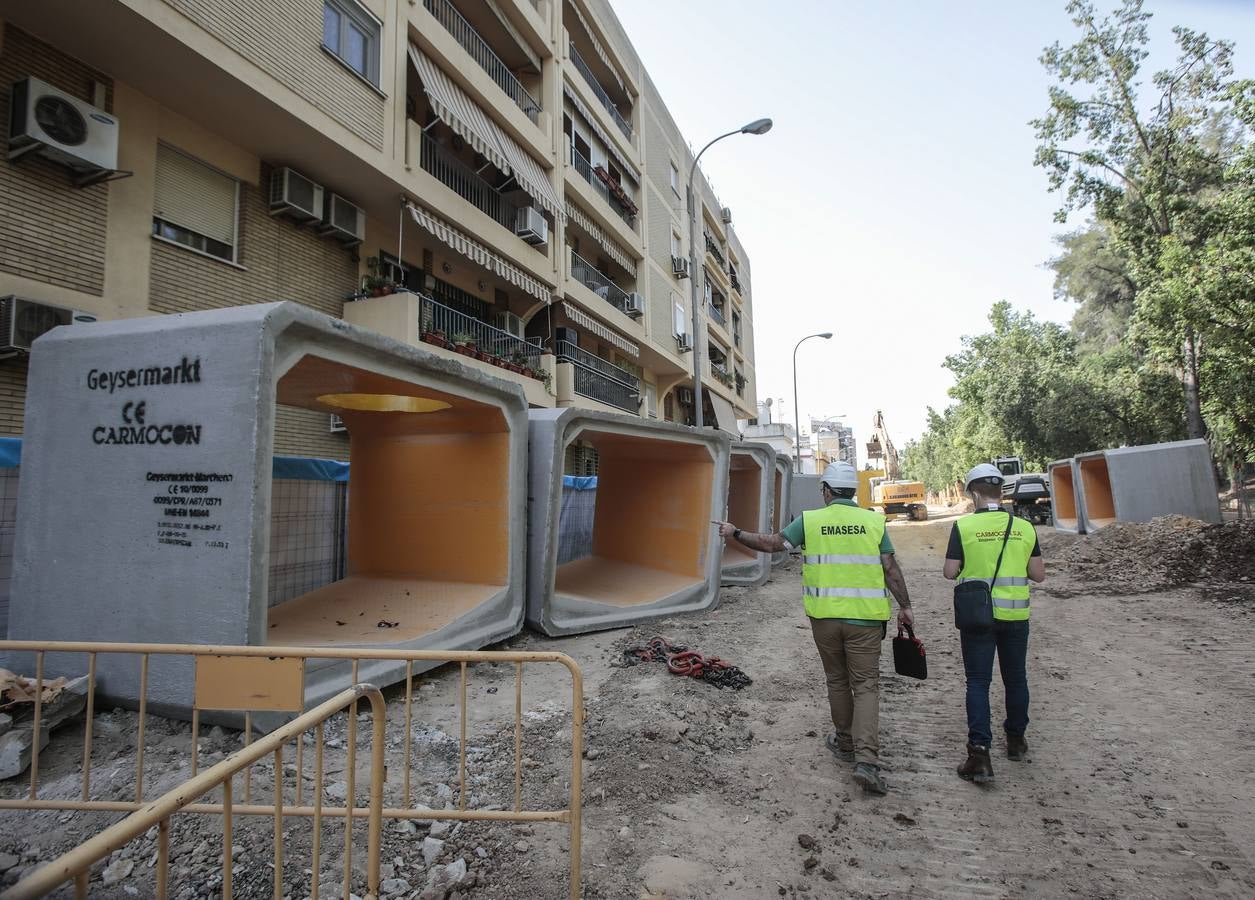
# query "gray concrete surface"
(649, 509)
(784, 467)
(804, 494)
(123, 416)
(737, 569)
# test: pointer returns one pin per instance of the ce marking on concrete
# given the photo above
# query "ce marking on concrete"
(134, 413)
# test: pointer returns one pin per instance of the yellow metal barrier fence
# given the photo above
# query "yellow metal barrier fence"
(269, 679)
(77, 863)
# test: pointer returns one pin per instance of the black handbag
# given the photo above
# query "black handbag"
(974, 600)
(908, 654)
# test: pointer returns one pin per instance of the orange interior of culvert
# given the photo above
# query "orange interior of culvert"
(651, 523)
(1064, 502)
(1100, 509)
(745, 484)
(428, 519)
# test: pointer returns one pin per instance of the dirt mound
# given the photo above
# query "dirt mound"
(1164, 552)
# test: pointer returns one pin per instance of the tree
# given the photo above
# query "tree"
(1091, 271)
(1144, 170)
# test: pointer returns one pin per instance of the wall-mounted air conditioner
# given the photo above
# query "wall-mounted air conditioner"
(531, 226)
(342, 220)
(725, 215)
(683, 343)
(684, 395)
(508, 322)
(680, 266)
(61, 127)
(337, 425)
(23, 320)
(294, 195)
(634, 306)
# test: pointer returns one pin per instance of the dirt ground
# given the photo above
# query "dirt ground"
(1138, 782)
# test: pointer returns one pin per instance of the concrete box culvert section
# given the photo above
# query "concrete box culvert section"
(1066, 501)
(145, 496)
(1136, 484)
(751, 490)
(782, 502)
(804, 493)
(654, 551)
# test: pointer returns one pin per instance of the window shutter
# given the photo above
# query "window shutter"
(194, 196)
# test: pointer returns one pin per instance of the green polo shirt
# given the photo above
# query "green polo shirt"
(794, 535)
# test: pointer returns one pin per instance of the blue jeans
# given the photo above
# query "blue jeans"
(1010, 641)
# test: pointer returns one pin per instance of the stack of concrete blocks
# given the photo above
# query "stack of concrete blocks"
(146, 491)
(655, 551)
(781, 504)
(751, 490)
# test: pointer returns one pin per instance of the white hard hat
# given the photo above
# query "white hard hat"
(840, 475)
(985, 473)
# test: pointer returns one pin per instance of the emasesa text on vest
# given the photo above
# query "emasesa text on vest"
(843, 529)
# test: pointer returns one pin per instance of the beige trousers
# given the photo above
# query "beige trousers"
(851, 657)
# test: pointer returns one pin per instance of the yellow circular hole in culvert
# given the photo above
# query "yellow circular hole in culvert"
(384, 403)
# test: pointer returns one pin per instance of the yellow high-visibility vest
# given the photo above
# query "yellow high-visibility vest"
(842, 577)
(981, 534)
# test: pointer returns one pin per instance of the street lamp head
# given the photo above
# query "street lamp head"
(758, 126)
(826, 335)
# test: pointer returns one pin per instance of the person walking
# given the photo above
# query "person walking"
(848, 571)
(976, 543)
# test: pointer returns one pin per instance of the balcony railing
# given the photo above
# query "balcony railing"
(588, 275)
(436, 317)
(736, 282)
(713, 247)
(599, 380)
(716, 313)
(740, 384)
(463, 181)
(585, 168)
(569, 352)
(600, 92)
(454, 23)
(720, 373)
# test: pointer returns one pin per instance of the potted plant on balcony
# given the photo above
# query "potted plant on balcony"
(463, 343)
(374, 283)
(435, 337)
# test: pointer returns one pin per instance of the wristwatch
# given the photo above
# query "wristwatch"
(737, 534)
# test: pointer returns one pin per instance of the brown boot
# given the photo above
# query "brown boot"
(978, 767)
(1017, 747)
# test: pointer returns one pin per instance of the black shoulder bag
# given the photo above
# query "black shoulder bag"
(974, 599)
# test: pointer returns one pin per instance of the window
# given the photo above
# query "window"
(680, 327)
(675, 179)
(352, 35)
(195, 205)
(651, 400)
(675, 245)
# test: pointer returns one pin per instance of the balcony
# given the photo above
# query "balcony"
(470, 39)
(740, 384)
(720, 373)
(736, 282)
(715, 313)
(465, 182)
(592, 278)
(436, 319)
(601, 181)
(599, 380)
(712, 247)
(600, 93)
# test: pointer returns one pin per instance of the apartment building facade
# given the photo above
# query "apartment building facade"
(496, 179)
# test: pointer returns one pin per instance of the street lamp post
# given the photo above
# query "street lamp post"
(758, 126)
(797, 420)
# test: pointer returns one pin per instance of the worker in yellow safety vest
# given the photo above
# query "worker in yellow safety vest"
(848, 572)
(976, 543)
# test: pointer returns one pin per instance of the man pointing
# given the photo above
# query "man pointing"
(848, 572)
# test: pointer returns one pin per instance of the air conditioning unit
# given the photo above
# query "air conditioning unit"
(343, 220)
(294, 195)
(680, 266)
(23, 320)
(683, 343)
(531, 226)
(725, 215)
(337, 425)
(508, 322)
(634, 306)
(62, 128)
(684, 395)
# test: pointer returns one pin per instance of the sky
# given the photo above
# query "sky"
(895, 200)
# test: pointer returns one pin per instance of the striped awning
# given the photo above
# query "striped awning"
(477, 252)
(597, 47)
(464, 116)
(628, 169)
(584, 320)
(613, 249)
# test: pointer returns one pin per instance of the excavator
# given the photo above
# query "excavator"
(892, 495)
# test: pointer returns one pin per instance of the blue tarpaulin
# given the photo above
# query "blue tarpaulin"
(580, 482)
(10, 453)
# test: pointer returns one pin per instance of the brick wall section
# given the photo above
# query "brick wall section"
(12, 396)
(305, 432)
(284, 39)
(50, 231)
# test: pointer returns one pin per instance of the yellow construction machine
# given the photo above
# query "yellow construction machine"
(890, 494)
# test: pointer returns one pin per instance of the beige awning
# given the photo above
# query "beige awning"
(597, 47)
(725, 415)
(477, 252)
(607, 334)
(457, 110)
(613, 249)
(589, 119)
